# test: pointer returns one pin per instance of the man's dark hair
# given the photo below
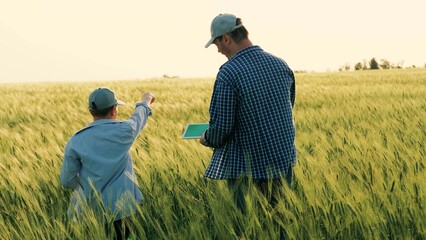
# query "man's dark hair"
(101, 112)
(238, 34)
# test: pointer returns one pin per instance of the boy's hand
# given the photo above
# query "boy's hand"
(148, 97)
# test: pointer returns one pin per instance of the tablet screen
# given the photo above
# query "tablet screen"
(194, 130)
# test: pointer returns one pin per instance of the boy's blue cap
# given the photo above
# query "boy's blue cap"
(102, 98)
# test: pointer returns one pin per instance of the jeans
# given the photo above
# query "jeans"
(270, 188)
(121, 228)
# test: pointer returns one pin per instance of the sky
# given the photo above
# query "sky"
(84, 40)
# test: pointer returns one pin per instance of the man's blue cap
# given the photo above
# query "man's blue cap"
(221, 24)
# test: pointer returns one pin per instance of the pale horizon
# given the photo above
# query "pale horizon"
(94, 40)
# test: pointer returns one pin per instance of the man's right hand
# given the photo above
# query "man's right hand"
(203, 139)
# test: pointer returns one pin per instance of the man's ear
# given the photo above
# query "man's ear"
(226, 39)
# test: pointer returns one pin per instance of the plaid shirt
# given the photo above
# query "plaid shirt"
(251, 123)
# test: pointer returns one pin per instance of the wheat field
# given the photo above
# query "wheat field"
(360, 175)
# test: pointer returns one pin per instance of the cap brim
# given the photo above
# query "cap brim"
(210, 42)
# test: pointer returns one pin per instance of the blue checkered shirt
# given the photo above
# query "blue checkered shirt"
(251, 124)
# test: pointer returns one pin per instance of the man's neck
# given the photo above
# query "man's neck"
(243, 44)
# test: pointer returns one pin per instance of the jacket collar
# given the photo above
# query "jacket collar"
(97, 123)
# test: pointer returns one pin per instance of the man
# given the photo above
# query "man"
(97, 163)
(251, 123)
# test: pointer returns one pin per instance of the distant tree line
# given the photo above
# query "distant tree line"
(168, 76)
(374, 64)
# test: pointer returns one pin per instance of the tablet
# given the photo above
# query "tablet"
(194, 130)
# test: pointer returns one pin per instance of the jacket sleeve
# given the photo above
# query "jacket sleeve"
(70, 168)
(138, 119)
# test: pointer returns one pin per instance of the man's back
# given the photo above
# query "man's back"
(256, 104)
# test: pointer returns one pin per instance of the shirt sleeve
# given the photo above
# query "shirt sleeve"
(70, 168)
(222, 113)
(293, 90)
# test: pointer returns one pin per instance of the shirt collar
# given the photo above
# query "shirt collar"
(242, 52)
(246, 50)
